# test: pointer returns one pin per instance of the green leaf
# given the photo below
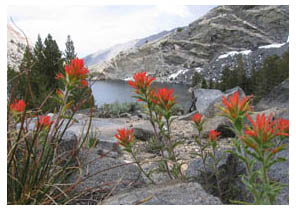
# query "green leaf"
(238, 124)
(278, 160)
(239, 202)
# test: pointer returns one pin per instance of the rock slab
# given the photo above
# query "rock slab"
(168, 194)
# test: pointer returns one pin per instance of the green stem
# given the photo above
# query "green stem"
(156, 135)
(140, 167)
(217, 173)
(170, 146)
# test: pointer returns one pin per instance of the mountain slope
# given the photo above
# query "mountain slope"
(16, 45)
(222, 30)
(100, 59)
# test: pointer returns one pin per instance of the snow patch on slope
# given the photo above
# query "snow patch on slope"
(275, 45)
(175, 75)
(233, 53)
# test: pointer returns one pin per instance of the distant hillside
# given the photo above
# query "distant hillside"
(16, 45)
(100, 58)
(224, 31)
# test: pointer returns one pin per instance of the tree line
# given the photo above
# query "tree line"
(35, 80)
(259, 82)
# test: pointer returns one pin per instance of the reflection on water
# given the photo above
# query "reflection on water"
(110, 91)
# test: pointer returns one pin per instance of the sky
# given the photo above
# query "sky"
(94, 28)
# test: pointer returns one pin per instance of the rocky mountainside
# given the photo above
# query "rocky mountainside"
(207, 43)
(101, 58)
(16, 44)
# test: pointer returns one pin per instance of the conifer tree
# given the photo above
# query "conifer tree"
(196, 79)
(204, 84)
(47, 63)
(70, 50)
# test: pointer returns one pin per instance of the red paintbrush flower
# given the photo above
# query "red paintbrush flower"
(125, 136)
(141, 81)
(76, 69)
(263, 129)
(45, 121)
(18, 106)
(283, 127)
(84, 83)
(213, 135)
(234, 108)
(164, 98)
(197, 118)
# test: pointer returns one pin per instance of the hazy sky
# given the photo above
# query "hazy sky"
(97, 27)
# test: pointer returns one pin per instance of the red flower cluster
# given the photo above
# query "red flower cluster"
(234, 107)
(45, 121)
(265, 129)
(141, 81)
(213, 135)
(197, 118)
(283, 127)
(125, 136)
(18, 106)
(76, 68)
(75, 71)
(164, 98)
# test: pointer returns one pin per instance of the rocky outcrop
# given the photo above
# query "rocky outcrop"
(166, 194)
(105, 173)
(278, 97)
(220, 35)
(16, 45)
(100, 59)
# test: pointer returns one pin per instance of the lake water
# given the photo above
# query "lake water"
(110, 91)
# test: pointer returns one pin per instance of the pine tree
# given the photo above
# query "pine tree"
(211, 84)
(204, 84)
(225, 79)
(196, 79)
(70, 50)
(53, 62)
(47, 63)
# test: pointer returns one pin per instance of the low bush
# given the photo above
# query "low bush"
(117, 109)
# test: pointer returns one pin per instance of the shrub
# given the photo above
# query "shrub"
(38, 165)
(117, 109)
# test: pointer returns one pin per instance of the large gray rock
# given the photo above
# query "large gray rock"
(204, 98)
(143, 130)
(167, 194)
(278, 97)
(102, 172)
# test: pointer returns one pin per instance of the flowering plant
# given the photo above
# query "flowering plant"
(37, 166)
(207, 149)
(256, 146)
(159, 104)
(126, 139)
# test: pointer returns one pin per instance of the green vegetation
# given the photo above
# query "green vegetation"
(36, 80)
(179, 29)
(260, 82)
(117, 109)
